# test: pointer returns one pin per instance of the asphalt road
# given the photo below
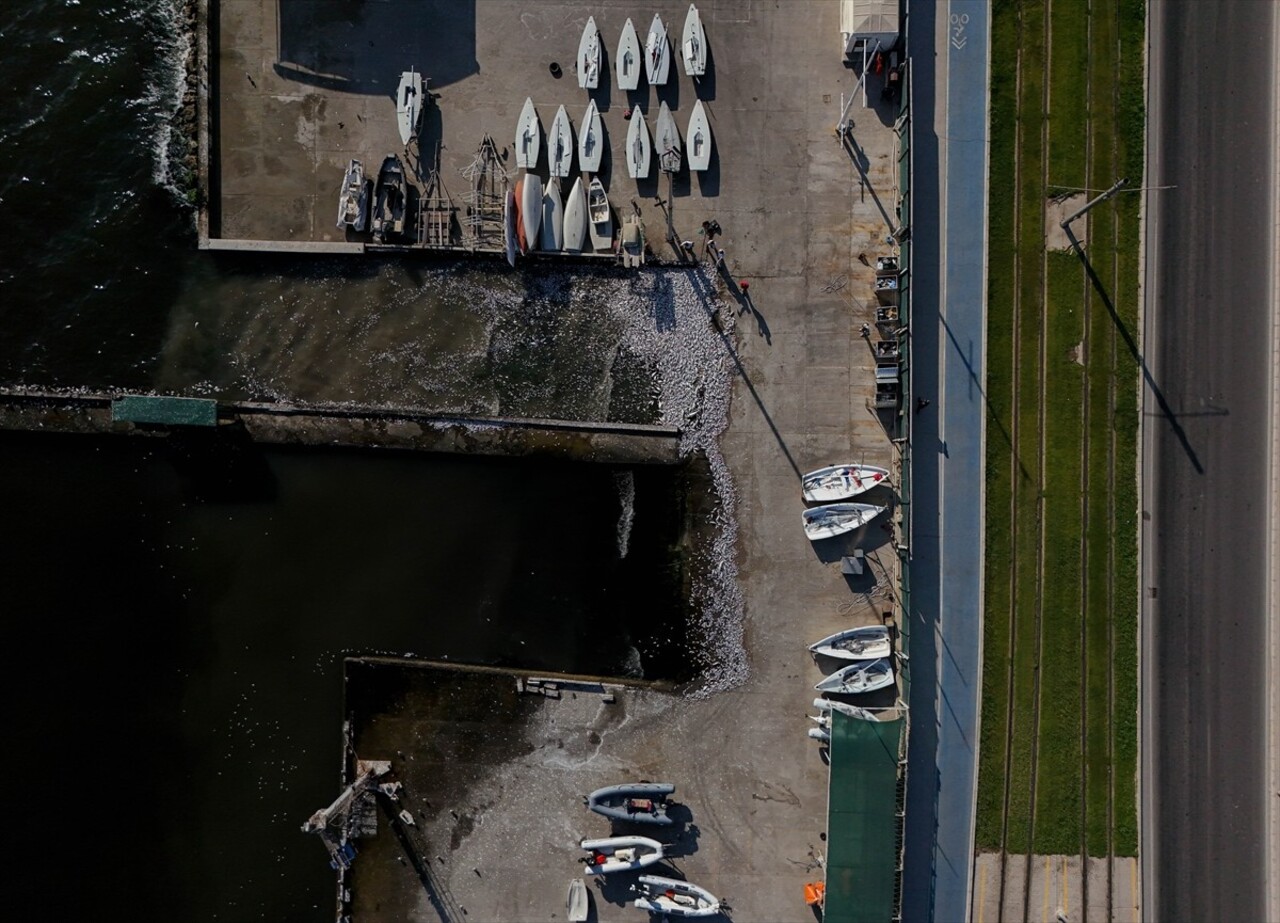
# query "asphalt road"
(1210, 310)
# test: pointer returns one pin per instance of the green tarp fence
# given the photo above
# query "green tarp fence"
(862, 848)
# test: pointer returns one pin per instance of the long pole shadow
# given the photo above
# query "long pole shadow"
(1137, 353)
(441, 900)
(707, 297)
(856, 155)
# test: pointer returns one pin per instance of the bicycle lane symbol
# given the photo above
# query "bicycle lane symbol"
(958, 23)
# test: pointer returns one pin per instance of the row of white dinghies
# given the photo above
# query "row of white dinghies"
(655, 58)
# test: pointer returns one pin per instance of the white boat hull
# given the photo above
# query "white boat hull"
(560, 144)
(867, 676)
(699, 139)
(870, 642)
(639, 150)
(589, 56)
(531, 209)
(657, 53)
(528, 137)
(837, 518)
(693, 44)
(575, 218)
(671, 897)
(509, 225)
(666, 140)
(600, 216)
(840, 482)
(591, 140)
(628, 59)
(552, 219)
(409, 104)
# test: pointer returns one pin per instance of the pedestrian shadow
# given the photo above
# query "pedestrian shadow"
(708, 299)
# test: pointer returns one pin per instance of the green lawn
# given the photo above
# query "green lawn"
(1059, 684)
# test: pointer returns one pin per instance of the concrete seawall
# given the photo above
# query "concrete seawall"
(363, 427)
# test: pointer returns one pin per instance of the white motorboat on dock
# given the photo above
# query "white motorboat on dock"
(409, 104)
(870, 642)
(620, 854)
(857, 678)
(840, 482)
(353, 199)
(390, 199)
(601, 218)
(838, 518)
(589, 56)
(672, 897)
(627, 60)
(528, 136)
(693, 44)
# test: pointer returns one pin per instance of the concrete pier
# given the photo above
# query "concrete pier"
(363, 427)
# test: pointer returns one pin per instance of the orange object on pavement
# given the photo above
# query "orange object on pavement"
(814, 892)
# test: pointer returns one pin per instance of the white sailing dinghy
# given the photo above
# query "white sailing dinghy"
(575, 218)
(837, 518)
(871, 642)
(666, 139)
(560, 144)
(509, 225)
(864, 676)
(657, 53)
(528, 136)
(591, 140)
(840, 482)
(577, 903)
(853, 711)
(620, 854)
(409, 104)
(552, 219)
(693, 44)
(699, 139)
(531, 209)
(638, 147)
(671, 897)
(628, 59)
(601, 220)
(589, 56)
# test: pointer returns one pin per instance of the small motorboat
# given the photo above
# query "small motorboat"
(839, 482)
(620, 854)
(639, 802)
(666, 140)
(552, 234)
(575, 218)
(699, 139)
(628, 58)
(353, 199)
(409, 104)
(528, 136)
(560, 144)
(509, 219)
(601, 229)
(853, 711)
(530, 210)
(657, 53)
(389, 199)
(638, 146)
(837, 518)
(632, 242)
(591, 140)
(589, 56)
(693, 44)
(871, 642)
(864, 676)
(577, 903)
(674, 898)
